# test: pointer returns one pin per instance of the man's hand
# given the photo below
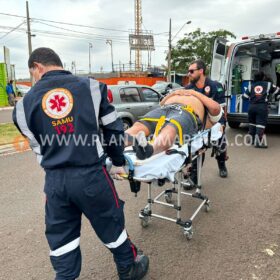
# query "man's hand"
(181, 92)
(117, 172)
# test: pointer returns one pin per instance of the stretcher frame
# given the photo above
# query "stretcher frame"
(147, 213)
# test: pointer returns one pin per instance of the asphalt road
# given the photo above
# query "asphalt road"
(6, 116)
(238, 239)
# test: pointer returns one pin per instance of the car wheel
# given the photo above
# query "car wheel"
(233, 124)
(126, 124)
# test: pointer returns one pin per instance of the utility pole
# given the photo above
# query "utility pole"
(110, 42)
(89, 59)
(138, 32)
(29, 35)
(170, 47)
(169, 54)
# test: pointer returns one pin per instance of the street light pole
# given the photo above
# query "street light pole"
(169, 54)
(170, 47)
(89, 59)
(110, 42)
(29, 36)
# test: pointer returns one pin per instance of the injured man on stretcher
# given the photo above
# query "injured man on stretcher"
(180, 116)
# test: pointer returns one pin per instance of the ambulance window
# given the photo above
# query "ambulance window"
(221, 49)
(129, 95)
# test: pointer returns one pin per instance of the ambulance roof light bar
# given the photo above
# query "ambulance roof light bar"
(261, 36)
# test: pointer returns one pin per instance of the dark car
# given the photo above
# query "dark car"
(165, 87)
(133, 101)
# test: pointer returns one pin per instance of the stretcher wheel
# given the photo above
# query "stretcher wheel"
(168, 197)
(188, 232)
(207, 207)
(144, 221)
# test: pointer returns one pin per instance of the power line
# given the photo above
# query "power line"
(67, 23)
(15, 28)
(55, 34)
(80, 32)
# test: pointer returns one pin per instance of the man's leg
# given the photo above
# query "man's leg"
(261, 122)
(63, 224)
(162, 142)
(133, 131)
(100, 203)
(11, 99)
(252, 122)
(221, 157)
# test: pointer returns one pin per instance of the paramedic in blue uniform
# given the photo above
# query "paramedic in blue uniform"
(62, 116)
(258, 94)
(199, 82)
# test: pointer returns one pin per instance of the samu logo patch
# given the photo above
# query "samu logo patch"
(258, 90)
(57, 103)
(207, 90)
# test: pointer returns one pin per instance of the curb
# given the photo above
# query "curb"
(10, 149)
(6, 149)
(6, 108)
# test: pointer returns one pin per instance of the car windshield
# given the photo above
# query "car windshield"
(159, 86)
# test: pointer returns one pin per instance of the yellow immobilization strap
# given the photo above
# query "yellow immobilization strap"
(154, 120)
(180, 132)
(159, 126)
(189, 109)
(161, 121)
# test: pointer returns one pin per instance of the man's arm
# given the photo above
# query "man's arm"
(112, 128)
(214, 108)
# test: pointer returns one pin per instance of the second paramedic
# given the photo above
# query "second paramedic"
(258, 95)
(199, 82)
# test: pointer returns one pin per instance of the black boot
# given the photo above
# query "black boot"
(142, 148)
(137, 270)
(191, 181)
(222, 169)
(261, 145)
(260, 142)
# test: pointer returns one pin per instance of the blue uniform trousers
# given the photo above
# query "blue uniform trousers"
(71, 192)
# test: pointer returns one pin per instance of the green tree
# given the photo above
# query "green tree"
(196, 44)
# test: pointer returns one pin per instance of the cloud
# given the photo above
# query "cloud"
(250, 17)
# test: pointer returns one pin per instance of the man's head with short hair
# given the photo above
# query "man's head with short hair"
(196, 70)
(11, 81)
(45, 56)
(43, 60)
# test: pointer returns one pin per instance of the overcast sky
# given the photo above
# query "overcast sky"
(114, 18)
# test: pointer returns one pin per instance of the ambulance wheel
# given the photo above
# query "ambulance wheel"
(168, 197)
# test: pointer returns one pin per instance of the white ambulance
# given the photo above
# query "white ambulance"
(234, 66)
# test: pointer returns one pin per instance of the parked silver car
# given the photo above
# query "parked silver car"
(133, 101)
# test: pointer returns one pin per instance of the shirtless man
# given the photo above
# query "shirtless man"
(185, 107)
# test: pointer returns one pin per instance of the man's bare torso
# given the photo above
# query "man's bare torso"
(196, 104)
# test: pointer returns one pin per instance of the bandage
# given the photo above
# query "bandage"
(215, 119)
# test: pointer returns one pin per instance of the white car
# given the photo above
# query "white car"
(22, 89)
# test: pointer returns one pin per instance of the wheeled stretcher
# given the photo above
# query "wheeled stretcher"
(172, 166)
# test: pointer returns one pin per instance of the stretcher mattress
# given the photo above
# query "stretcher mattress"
(163, 166)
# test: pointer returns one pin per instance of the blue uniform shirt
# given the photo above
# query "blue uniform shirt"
(63, 115)
(214, 90)
(259, 92)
